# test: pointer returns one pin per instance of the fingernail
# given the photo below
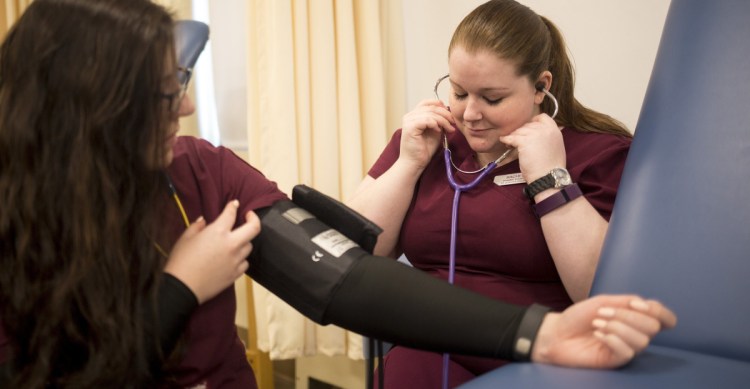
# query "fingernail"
(199, 219)
(606, 312)
(236, 203)
(639, 305)
(599, 334)
(599, 323)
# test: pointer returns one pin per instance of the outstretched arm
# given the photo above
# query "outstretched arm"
(342, 284)
(600, 332)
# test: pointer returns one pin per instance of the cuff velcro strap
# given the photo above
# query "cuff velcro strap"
(338, 216)
(524, 341)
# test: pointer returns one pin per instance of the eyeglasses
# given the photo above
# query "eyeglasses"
(174, 100)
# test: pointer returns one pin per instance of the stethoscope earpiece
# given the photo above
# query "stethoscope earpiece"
(540, 87)
(437, 84)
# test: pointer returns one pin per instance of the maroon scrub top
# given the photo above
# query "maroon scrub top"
(206, 179)
(500, 249)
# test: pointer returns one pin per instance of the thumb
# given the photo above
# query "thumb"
(228, 216)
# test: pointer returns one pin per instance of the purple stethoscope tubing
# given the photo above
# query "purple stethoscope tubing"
(458, 188)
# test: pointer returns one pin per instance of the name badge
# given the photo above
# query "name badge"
(509, 179)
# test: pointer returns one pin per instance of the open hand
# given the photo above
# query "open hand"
(604, 331)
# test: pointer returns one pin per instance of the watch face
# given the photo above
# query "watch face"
(562, 177)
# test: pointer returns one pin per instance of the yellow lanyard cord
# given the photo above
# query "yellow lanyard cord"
(177, 200)
(182, 212)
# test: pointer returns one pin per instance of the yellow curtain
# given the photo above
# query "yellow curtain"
(325, 91)
(12, 9)
(10, 12)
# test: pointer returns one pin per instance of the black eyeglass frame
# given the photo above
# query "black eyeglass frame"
(174, 100)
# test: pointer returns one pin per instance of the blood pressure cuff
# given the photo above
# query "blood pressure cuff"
(301, 259)
(330, 279)
(309, 244)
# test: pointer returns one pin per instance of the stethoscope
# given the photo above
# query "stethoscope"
(459, 188)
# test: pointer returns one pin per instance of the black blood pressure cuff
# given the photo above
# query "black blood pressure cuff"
(302, 259)
(328, 277)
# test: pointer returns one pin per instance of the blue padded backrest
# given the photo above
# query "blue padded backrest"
(190, 39)
(680, 230)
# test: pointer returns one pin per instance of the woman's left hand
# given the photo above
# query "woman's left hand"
(208, 258)
(602, 332)
(540, 147)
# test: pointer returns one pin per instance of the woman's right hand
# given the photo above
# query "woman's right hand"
(209, 258)
(422, 131)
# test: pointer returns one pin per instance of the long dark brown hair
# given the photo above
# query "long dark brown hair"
(514, 32)
(81, 126)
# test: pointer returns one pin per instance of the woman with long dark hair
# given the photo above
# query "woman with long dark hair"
(88, 117)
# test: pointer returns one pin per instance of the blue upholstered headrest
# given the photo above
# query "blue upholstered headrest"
(190, 39)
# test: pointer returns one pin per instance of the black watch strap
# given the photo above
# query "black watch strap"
(526, 334)
(557, 178)
(541, 184)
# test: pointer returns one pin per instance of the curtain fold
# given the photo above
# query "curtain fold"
(318, 73)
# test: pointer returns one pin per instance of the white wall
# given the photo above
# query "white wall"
(228, 40)
(612, 43)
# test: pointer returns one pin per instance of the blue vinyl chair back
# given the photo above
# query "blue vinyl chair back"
(680, 230)
(191, 37)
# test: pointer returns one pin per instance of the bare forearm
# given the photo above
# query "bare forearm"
(385, 201)
(575, 234)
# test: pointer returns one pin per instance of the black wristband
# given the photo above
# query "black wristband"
(527, 331)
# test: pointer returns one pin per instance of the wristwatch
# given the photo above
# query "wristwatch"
(556, 178)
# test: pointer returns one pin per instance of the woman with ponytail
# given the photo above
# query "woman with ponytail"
(530, 232)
